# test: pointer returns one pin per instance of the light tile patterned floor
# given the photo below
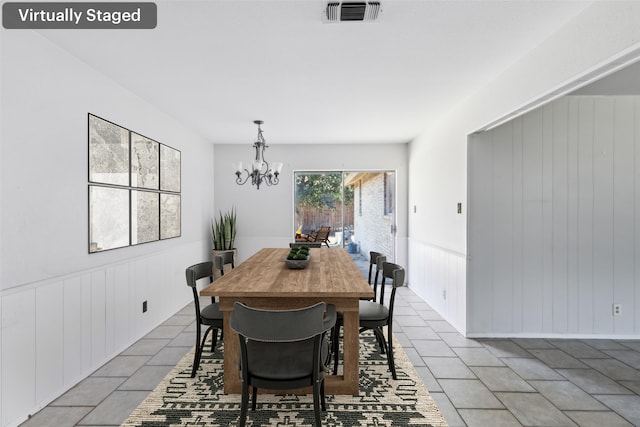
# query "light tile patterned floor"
(486, 382)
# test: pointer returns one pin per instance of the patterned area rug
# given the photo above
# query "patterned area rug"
(180, 400)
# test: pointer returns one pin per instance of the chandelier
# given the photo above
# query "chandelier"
(260, 170)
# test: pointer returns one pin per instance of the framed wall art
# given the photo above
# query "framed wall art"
(108, 218)
(169, 215)
(145, 164)
(145, 216)
(134, 187)
(169, 169)
(108, 152)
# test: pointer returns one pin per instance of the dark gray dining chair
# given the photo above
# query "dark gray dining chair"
(373, 260)
(223, 258)
(377, 259)
(375, 315)
(283, 350)
(210, 316)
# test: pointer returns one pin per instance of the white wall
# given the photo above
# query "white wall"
(604, 35)
(555, 209)
(65, 312)
(265, 216)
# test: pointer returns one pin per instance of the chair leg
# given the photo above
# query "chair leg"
(196, 361)
(323, 400)
(390, 360)
(254, 400)
(204, 339)
(244, 405)
(316, 403)
(196, 356)
(214, 340)
(336, 346)
(199, 347)
(380, 338)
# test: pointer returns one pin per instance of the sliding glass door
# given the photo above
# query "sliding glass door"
(321, 200)
(358, 206)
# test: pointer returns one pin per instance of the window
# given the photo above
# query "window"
(360, 197)
(389, 190)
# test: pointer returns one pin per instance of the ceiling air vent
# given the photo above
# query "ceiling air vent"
(352, 11)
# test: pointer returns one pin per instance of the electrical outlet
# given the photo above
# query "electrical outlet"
(617, 309)
(444, 294)
(459, 208)
(144, 306)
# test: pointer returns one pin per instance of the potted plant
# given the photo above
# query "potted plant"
(223, 235)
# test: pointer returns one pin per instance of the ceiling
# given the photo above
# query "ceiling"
(218, 65)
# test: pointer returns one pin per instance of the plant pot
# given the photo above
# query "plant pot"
(227, 267)
(297, 264)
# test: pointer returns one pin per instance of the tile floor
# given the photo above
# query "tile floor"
(485, 382)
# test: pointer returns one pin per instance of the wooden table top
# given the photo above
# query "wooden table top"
(330, 273)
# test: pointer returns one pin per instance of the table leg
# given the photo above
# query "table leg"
(351, 344)
(232, 383)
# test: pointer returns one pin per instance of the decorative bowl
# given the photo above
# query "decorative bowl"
(297, 264)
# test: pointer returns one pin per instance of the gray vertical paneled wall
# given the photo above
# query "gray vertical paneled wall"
(554, 221)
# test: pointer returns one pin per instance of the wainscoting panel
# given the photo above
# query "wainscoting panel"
(559, 180)
(85, 345)
(503, 216)
(57, 332)
(18, 355)
(479, 237)
(75, 333)
(439, 277)
(140, 285)
(118, 278)
(98, 318)
(49, 339)
(553, 221)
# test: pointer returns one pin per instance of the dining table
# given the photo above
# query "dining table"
(264, 281)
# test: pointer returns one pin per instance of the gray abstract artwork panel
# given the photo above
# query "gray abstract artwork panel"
(169, 216)
(145, 217)
(108, 152)
(144, 162)
(108, 218)
(134, 187)
(169, 169)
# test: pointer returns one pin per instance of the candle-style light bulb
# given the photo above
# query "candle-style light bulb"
(277, 167)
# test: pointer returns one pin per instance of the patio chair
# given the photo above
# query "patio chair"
(322, 235)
